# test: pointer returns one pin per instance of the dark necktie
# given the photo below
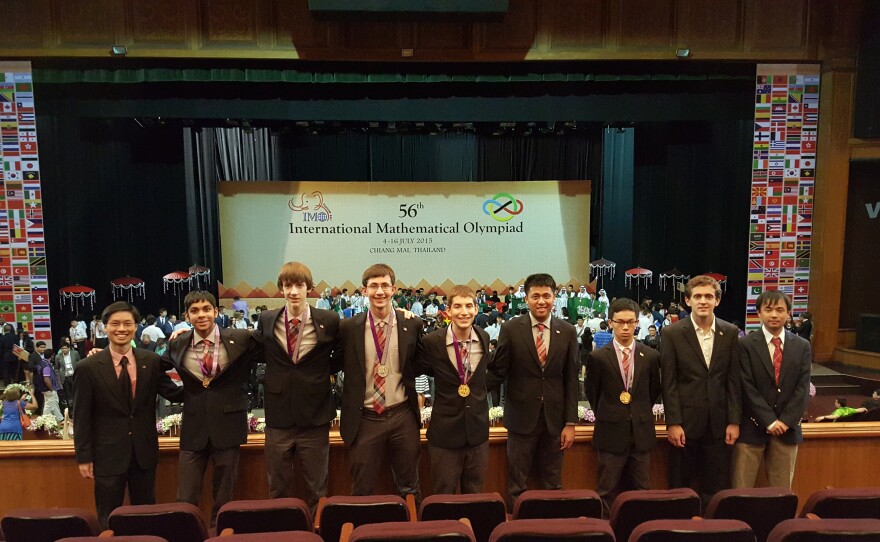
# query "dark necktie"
(540, 346)
(777, 357)
(125, 380)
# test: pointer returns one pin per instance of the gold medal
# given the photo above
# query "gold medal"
(464, 390)
(625, 397)
(206, 381)
(382, 370)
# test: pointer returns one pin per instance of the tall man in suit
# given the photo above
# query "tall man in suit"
(458, 437)
(214, 365)
(298, 341)
(701, 391)
(775, 367)
(115, 427)
(537, 354)
(622, 385)
(380, 413)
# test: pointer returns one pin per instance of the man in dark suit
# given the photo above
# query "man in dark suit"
(804, 328)
(298, 341)
(115, 427)
(701, 392)
(10, 361)
(775, 368)
(222, 319)
(457, 358)
(164, 323)
(380, 413)
(537, 354)
(214, 365)
(622, 385)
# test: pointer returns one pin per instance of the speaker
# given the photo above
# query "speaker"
(866, 113)
(868, 333)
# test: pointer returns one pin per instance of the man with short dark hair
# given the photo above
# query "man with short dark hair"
(115, 427)
(537, 354)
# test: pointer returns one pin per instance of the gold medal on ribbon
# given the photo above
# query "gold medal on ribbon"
(625, 397)
(206, 381)
(464, 390)
(382, 370)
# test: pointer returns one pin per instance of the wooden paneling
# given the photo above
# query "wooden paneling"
(24, 23)
(647, 24)
(362, 37)
(93, 23)
(517, 32)
(710, 26)
(45, 475)
(781, 24)
(295, 26)
(159, 23)
(439, 39)
(576, 25)
(228, 23)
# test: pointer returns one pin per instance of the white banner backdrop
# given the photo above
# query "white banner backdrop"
(433, 234)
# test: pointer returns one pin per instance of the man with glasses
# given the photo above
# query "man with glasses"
(380, 412)
(701, 392)
(622, 385)
(537, 353)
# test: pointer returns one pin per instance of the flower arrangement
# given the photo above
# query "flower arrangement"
(659, 412)
(426, 415)
(46, 423)
(166, 424)
(252, 422)
(586, 415)
(496, 414)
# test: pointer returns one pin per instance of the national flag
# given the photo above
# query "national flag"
(794, 107)
(27, 135)
(26, 118)
(28, 147)
(31, 175)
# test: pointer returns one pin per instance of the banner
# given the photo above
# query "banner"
(433, 234)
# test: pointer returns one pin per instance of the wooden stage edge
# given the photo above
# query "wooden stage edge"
(857, 358)
(44, 472)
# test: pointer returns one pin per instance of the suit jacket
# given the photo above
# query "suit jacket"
(619, 426)
(216, 414)
(7, 341)
(60, 369)
(164, 324)
(529, 388)
(456, 421)
(222, 320)
(764, 401)
(110, 431)
(699, 398)
(352, 350)
(300, 394)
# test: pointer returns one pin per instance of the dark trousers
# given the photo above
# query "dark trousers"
(309, 447)
(540, 449)
(391, 438)
(454, 468)
(704, 462)
(10, 368)
(191, 470)
(621, 472)
(67, 389)
(110, 490)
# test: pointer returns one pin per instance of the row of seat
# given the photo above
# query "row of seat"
(761, 509)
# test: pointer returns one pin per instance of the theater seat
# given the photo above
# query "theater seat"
(761, 507)
(48, 524)
(634, 507)
(573, 530)
(338, 510)
(692, 530)
(110, 538)
(826, 530)
(175, 522)
(445, 530)
(265, 516)
(557, 503)
(843, 503)
(282, 536)
(485, 511)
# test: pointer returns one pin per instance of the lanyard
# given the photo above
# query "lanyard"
(380, 348)
(464, 372)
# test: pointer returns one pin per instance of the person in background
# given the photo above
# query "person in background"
(840, 411)
(13, 405)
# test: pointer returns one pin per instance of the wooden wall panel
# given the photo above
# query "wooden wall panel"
(781, 24)
(229, 23)
(576, 25)
(365, 37)
(647, 24)
(159, 23)
(24, 23)
(294, 26)
(710, 26)
(91, 23)
(442, 39)
(517, 32)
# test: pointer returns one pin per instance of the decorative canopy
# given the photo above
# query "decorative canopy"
(603, 266)
(200, 276)
(638, 274)
(177, 280)
(722, 279)
(75, 295)
(128, 285)
(673, 275)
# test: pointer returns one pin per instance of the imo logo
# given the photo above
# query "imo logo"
(502, 207)
(312, 207)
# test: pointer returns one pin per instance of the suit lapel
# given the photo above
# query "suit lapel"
(613, 365)
(108, 373)
(555, 341)
(764, 353)
(717, 341)
(690, 335)
(529, 338)
(789, 355)
(637, 363)
(359, 343)
(143, 375)
(403, 339)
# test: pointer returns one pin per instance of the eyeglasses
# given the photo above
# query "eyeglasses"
(626, 323)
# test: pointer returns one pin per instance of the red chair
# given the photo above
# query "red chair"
(338, 510)
(863, 502)
(265, 516)
(692, 530)
(485, 511)
(761, 507)
(826, 530)
(282, 536)
(48, 524)
(571, 530)
(109, 538)
(558, 503)
(175, 522)
(446, 530)
(632, 508)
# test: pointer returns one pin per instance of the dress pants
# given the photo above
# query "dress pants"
(777, 457)
(110, 490)
(621, 472)
(539, 448)
(191, 470)
(465, 467)
(705, 461)
(391, 438)
(307, 446)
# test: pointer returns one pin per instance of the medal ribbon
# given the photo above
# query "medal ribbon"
(464, 371)
(380, 348)
(294, 354)
(215, 366)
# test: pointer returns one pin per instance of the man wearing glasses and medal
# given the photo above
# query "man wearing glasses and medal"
(457, 358)
(622, 385)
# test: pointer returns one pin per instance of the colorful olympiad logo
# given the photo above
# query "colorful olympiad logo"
(502, 207)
